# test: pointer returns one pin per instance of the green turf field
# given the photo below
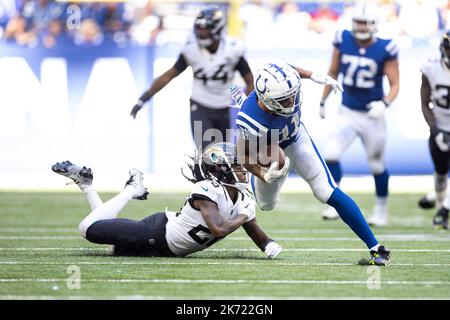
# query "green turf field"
(40, 249)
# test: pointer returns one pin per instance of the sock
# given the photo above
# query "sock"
(108, 210)
(440, 186)
(381, 183)
(92, 197)
(375, 248)
(351, 214)
(335, 170)
(381, 203)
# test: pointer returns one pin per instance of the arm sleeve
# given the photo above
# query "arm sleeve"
(181, 64)
(392, 50)
(337, 40)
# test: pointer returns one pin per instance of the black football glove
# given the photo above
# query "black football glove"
(138, 106)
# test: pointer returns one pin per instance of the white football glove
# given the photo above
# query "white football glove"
(322, 112)
(376, 109)
(326, 80)
(272, 249)
(273, 174)
(441, 143)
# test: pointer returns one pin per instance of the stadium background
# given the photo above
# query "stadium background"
(71, 71)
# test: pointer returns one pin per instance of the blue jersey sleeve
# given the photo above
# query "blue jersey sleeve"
(337, 41)
(391, 50)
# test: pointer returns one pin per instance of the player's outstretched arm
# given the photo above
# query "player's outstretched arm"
(259, 237)
(333, 72)
(216, 223)
(158, 84)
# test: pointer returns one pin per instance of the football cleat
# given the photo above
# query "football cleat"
(79, 175)
(427, 203)
(330, 214)
(378, 218)
(440, 220)
(136, 181)
(380, 257)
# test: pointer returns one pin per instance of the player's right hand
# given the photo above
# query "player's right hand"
(272, 249)
(322, 112)
(442, 140)
(138, 106)
(273, 174)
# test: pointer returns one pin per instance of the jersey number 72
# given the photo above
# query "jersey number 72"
(364, 68)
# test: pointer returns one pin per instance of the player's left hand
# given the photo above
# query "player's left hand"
(326, 80)
(138, 106)
(272, 249)
(376, 109)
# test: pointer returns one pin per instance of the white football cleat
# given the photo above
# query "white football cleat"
(82, 176)
(330, 214)
(136, 181)
(378, 217)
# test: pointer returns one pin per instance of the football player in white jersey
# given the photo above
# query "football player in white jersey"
(214, 59)
(435, 92)
(218, 205)
(363, 59)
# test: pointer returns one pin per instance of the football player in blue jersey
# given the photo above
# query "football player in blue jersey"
(363, 59)
(271, 115)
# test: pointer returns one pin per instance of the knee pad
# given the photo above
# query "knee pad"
(377, 165)
(267, 206)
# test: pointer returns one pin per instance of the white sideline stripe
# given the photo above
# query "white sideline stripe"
(142, 297)
(236, 281)
(231, 249)
(391, 237)
(298, 231)
(269, 264)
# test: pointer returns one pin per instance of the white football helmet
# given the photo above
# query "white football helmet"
(368, 14)
(278, 85)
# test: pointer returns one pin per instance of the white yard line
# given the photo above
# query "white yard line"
(235, 281)
(268, 263)
(390, 237)
(296, 231)
(227, 249)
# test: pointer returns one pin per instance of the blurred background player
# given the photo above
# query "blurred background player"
(271, 112)
(435, 93)
(218, 205)
(363, 59)
(214, 59)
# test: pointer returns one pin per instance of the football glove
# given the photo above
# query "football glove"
(272, 249)
(322, 112)
(273, 174)
(442, 140)
(376, 109)
(326, 80)
(138, 106)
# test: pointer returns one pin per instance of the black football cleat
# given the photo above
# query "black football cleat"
(79, 175)
(380, 257)
(426, 203)
(440, 220)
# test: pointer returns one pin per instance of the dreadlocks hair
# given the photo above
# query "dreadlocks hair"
(194, 165)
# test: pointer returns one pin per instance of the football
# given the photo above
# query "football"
(272, 153)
